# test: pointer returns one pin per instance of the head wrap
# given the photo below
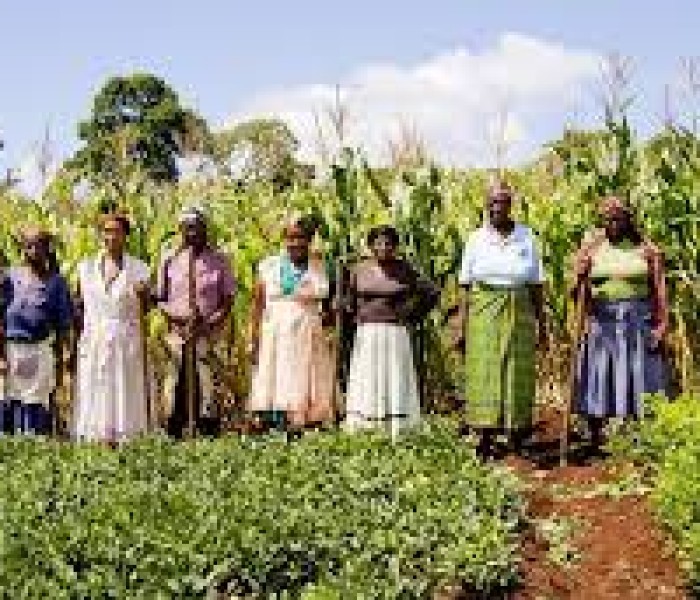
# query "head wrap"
(500, 189)
(35, 232)
(192, 214)
(614, 205)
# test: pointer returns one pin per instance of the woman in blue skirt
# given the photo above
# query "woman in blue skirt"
(621, 283)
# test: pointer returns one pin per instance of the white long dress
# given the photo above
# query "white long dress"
(111, 395)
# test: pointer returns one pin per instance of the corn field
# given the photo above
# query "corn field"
(433, 208)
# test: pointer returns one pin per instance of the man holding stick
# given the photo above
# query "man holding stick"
(195, 290)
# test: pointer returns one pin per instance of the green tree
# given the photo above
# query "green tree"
(137, 122)
(259, 150)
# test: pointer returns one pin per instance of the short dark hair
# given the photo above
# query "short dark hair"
(387, 231)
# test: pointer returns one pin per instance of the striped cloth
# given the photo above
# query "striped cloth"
(500, 365)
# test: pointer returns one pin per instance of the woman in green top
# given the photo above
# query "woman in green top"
(620, 282)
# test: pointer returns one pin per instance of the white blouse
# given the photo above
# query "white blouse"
(495, 260)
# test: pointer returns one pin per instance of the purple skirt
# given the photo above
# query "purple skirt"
(616, 365)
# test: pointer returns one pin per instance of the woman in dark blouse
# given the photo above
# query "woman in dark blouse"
(37, 312)
(387, 296)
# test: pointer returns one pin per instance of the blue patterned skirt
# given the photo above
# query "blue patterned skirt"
(616, 365)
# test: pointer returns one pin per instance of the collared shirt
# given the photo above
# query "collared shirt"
(213, 278)
(34, 308)
(495, 260)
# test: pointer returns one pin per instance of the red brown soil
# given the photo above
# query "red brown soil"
(624, 553)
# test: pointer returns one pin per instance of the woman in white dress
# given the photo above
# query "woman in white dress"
(294, 367)
(112, 379)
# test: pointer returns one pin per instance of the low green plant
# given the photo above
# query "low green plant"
(327, 516)
(667, 443)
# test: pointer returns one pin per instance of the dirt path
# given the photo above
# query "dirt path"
(592, 534)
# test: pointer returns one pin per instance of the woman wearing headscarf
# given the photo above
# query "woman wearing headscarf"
(502, 276)
(37, 311)
(387, 296)
(294, 368)
(111, 390)
(620, 283)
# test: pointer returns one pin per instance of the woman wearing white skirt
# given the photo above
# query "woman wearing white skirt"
(111, 391)
(387, 295)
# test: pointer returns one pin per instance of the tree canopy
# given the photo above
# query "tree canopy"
(261, 149)
(137, 122)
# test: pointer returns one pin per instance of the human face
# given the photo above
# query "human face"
(36, 250)
(384, 249)
(499, 210)
(297, 244)
(114, 237)
(194, 234)
(617, 224)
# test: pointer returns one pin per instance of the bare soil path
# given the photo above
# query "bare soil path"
(593, 535)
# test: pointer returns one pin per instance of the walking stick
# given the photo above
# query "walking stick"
(190, 350)
(579, 307)
(339, 332)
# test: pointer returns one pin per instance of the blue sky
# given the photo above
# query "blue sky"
(231, 58)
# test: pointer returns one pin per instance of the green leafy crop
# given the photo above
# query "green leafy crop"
(327, 516)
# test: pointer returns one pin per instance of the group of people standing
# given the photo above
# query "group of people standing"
(618, 284)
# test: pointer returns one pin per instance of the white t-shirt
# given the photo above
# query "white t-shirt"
(495, 260)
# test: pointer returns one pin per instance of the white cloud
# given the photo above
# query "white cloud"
(458, 100)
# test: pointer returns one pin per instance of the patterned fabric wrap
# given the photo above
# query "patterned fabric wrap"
(616, 366)
(500, 366)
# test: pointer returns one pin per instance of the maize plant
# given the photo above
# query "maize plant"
(433, 209)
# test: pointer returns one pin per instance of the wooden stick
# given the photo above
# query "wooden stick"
(190, 350)
(579, 307)
(339, 333)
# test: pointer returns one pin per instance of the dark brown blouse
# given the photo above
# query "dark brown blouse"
(399, 295)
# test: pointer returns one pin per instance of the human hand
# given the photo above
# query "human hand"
(140, 289)
(583, 264)
(253, 350)
(656, 338)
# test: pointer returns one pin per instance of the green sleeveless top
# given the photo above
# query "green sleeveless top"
(619, 272)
